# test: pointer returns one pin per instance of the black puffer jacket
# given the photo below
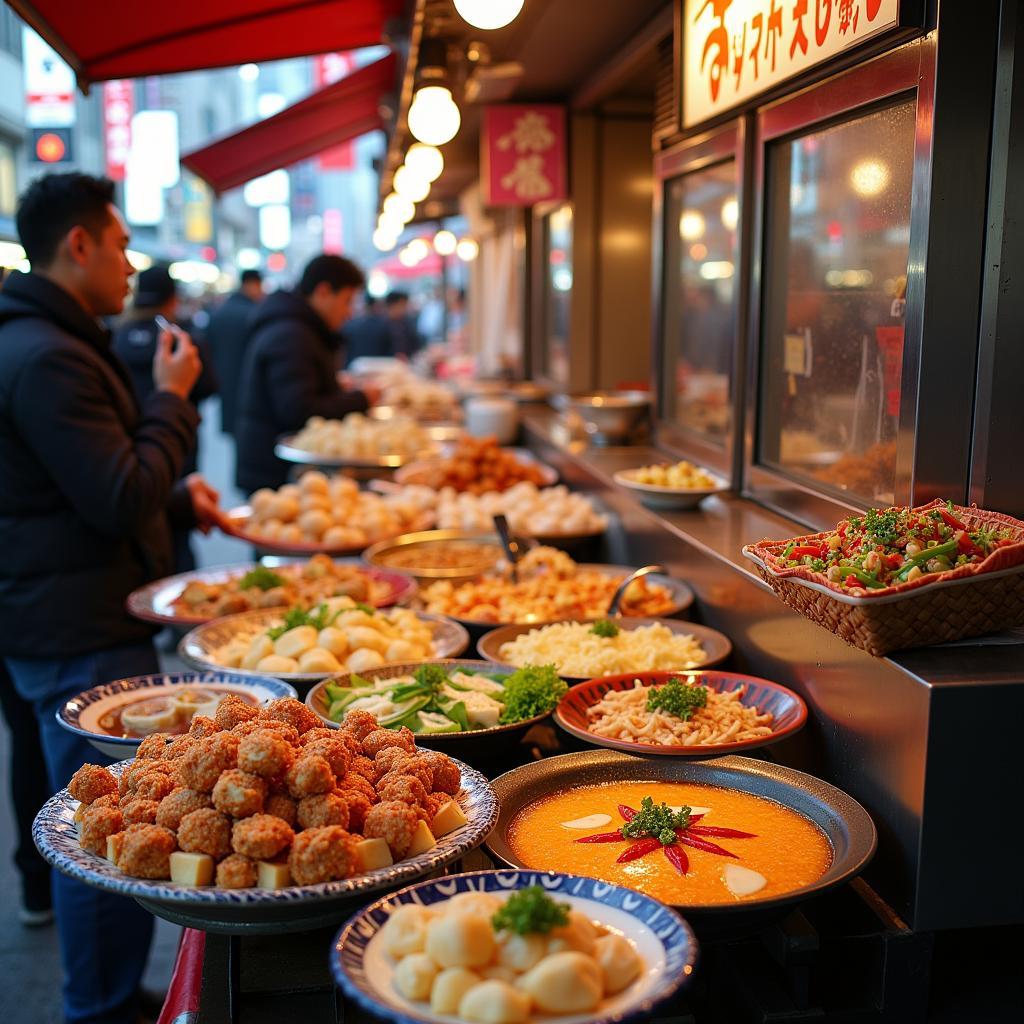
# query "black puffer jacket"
(289, 374)
(87, 478)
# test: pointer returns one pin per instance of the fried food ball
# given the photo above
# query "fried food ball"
(354, 746)
(139, 812)
(377, 740)
(395, 823)
(205, 831)
(176, 805)
(146, 852)
(202, 726)
(178, 747)
(320, 733)
(283, 729)
(239, 793)
(419, 768)
(248, 728)
(90, 782)
(362, 766)
(322, 855)
(265, 753)
(261, 837)
(202, 765)
(152, 747)
(388, 760)
(355, 782)
(359, 723)
(108, 800)
(294, 712)
(233, 710)
(310, 774)
(434, 803)
(282, 806)
(236, 872)
(97, 824)
(358, 808)
(153, 786)
(333, 751)
(323, 809)
(395, 786)
(447, 777)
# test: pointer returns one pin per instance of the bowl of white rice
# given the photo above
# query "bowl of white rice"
(585, 650)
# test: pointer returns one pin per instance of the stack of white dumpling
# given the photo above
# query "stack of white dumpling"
(331, 512)
(354, 642)
(358, 437)
(451, 956)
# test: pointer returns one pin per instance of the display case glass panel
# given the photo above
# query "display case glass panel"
(557, 283)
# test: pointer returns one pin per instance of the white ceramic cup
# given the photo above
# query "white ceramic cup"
(497, 416)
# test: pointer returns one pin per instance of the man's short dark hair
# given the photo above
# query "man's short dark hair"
(251, 277)
(395, 297)
(54, 204)
(335, 271)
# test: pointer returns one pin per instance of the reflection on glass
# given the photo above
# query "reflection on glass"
(700, 315)
(558, 294)
(835, 277)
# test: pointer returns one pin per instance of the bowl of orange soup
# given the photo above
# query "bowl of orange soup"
(730, 836)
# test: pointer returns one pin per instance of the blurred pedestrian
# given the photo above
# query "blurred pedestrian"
(227, 334)
(405, 338)
(290, 368)
(367, 334)
(88, 490)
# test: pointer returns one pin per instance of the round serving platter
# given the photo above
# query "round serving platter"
(664, 941)
(846, 825)
(717, 646)
(155, 601)
(286, 451)
(81, 714)
(257, 911)
(788, 709)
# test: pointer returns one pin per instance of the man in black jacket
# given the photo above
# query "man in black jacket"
(291, 367)
(227, 334)
(88, 490)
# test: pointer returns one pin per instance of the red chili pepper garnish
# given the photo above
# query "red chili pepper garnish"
(695, 817)
(721, 833)
(602, 837)
(640, 848)
(893, 561)
(677, 858)
(966, 546)
(627, 813)
(852, 581)
(951, 520)
(702, 844)
(813, 550)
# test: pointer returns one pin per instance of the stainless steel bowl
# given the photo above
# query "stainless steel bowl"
(610, 417)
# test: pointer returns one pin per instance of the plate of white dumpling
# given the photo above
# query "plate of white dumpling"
(338, 635)
(514, 947)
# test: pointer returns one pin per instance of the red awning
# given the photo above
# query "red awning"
(394, 267)
(331, 116)
(129, 39)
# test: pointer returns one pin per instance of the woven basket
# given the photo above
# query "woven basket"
(948, 606)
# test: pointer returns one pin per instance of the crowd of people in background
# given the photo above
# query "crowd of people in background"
(99, 492)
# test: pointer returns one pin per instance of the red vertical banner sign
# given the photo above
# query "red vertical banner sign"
(329, 68)
(334, 238)
(118, 108)
(523, 154)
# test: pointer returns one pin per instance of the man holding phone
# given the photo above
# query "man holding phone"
(89, 491)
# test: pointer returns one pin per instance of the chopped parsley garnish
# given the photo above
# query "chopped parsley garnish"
(605, 628)
(884, 527)
(319, 618)
(431, 677)
(677, 698)
(531, 910)
(368, 608)
(530, 691)
(262, 578)
(657, 822)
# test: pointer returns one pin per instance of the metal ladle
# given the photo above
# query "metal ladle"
(613, 607)
(513, 552)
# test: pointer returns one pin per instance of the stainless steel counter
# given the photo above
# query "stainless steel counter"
(926, 740)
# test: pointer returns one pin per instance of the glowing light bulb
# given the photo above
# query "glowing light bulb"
(444, 243)
(384, 240)
(869, 177)
(398, 206)
(730, 214)
(489, 14)
(407, 183)
(419, 248)
(434, 117)
(425, 162)
(691, 225)
(406, 258)
(467, 249)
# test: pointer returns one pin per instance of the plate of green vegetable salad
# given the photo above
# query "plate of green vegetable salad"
(449, 704)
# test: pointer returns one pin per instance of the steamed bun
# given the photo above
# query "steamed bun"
(566, 982)
(460, 940)
(494, 1002)
(618, 961)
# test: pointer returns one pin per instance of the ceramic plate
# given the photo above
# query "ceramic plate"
(287, 452)
(788, 709)
(82, 713)
(660, 936)
(656, 496)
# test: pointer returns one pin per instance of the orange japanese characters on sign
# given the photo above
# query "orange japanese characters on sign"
(523, 154)
(735, 49)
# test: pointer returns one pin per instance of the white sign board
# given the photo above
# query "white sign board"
(49, 84)
(736, 49)
(155, 146)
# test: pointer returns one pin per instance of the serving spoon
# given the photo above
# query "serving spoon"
(613, 607)
(512, 550)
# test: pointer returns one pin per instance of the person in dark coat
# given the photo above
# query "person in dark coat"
(227, 334)
(405, 338)
(290, 370)
(89, 489)
(367, 334)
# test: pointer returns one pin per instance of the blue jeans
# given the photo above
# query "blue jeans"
(104, 939)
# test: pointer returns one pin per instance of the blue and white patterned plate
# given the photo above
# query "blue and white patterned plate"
(82, 713)
(664, 941)
(56, 836)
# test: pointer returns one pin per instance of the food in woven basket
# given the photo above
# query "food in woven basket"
(266, 798)
(682, 843)
(503, 959)
(329, 511)
(338, 635)
(477, 465)
(302, 585)
(887, 548)
(551, 586)
(359, 437)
